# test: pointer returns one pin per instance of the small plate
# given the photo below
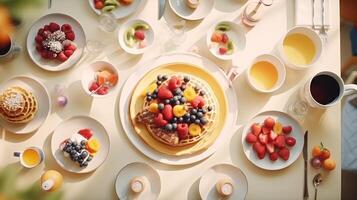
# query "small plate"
(295, 151)
(43, 99)
(55, 65)
(149, 37)
(126, 174)
(88, 76)
(121, 11)
(181, 9)
(236, 34)
(207, 186)
(71, 126)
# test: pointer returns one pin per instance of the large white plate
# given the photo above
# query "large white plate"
(132, 170)
(181, 9)
(43, 99)
(71, 126)
(128, 88)
(207, 186)
(121, 11)
(295, 151)
(55, 65)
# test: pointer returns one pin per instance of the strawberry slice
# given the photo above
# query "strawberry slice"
(266, 130)
(86, 133)
(284, 153)
(263, 138)
(260, 149)
(270, 147)
(251, 138)
(164, 93)
(256, 129)
(274, 156)
(280, 141)
(272, 136)
(290, 141)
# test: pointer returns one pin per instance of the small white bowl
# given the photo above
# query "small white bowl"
(149, 36)
(308, 32)
(181, 9)
(88, 76)
(236, 34)
(279, 66)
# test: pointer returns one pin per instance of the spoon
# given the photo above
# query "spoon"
(316, 181)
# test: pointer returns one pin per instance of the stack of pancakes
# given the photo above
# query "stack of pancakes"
(17, 105)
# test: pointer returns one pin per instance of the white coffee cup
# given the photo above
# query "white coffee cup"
(312, 35)
(24, 161)
(279, 66)
(12, 50)
(342, 90)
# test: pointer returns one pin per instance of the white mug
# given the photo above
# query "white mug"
(12, 50)
(39, 152)
(341, 90)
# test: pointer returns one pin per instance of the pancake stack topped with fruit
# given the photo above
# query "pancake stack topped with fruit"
(178, 110)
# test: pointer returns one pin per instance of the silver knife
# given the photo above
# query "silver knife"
(304, 151)
(162, 4)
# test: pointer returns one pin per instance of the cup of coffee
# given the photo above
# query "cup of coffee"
(8, 48)
(325, 89)
(30, 157)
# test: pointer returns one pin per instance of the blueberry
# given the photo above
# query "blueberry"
(193, 117)
(197, 121)
(149, 98)
(81, 165)
(154, 96)
(180, 119)
(202, 93)
(165, 77)
(173, 120)
(156, 91)
(158, 82)
(159, 77)
(209, 108)
(183, 87)
(161, 106)
(73, 152)
(174, 126)
(84, 154)
(193, 111)
(177, 102)
(199, 114)
(167, 101)
(174, 99)
(177, 91)
(83, 142)
(204, 111)
(187, 120)
(85, 164)
(186, 79)
(203, 121)
(74, 143)
(187, 115)
(78, 147)
(148, 94)
(68, 150)
(168, 127)
(80, 160)
(183, 100)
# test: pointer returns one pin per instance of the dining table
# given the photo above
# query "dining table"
(182, 181)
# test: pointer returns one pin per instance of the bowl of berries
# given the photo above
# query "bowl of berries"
(55, 42)
(136, 36)
(100, 79)
(225, 39)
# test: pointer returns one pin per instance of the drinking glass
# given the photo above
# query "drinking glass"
(95, 46)
(178, 30)
(107, 22)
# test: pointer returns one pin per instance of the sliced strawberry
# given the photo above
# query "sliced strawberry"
(167, 112)
(62, 57)
(287, 129)
(223, 50)
(68, 53)
(164, 93)
(266, 130)
(263, 138)
(269, 122)
(270, 147)
(290, 141)
(94, 86)
(260, 149)
(256, 129)
(216, 37)
(274, 156)
(71, 47)
(280, 141)
(284, 153)
(225, 38)
(102, 91)
(139, 34)
(272, 136)
(251, 138)
(86, 133)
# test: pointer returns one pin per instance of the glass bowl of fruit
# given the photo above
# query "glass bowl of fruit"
(100, 79)
(136, 36)
(225, 39)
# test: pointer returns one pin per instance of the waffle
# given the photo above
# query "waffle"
(17, 105)
(171, 138)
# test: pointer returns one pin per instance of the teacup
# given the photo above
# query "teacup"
(300, 48)
(8, 48)
(266, 73)
(325, 89)
(30, 157)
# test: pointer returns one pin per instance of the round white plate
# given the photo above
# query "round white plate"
(121, 11)
(295, 151)
(126, 174)
(207, 186)
(55, 65)
(149, 37)
(43, 99)
(236, 34)
(181, 9)
(128, 88)
(71, 126)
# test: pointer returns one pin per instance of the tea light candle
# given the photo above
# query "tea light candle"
(137, 184)
(225, 187)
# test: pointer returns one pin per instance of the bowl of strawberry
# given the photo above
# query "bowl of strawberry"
(272, 140)
(55, 42)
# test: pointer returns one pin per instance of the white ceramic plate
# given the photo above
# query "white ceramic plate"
(128, 88)
(55, 65)
(149, 37)
(43, 99)
(207, 186)
(122, 10)
(126, 174)
(236, 34)
(71, 126)
(88, 76)
(181, 9)
(266, 163)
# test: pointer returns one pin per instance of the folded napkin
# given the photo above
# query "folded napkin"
(303, 13)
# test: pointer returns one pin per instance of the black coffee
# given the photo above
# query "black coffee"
(5, 45)
(324, 89)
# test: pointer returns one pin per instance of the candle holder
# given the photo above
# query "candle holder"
(253, 12)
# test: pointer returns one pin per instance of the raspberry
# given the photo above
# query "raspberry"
(66, 28)
(70, 35)
(53, 27)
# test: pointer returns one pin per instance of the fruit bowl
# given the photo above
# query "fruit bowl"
(225, 39)
(136, 36)
(104, 75)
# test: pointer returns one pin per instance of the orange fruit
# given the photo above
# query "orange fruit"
(329, 164)
(316, 151)
(113, 79)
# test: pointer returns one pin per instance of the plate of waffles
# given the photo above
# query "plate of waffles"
(177, 113)
(24, 104)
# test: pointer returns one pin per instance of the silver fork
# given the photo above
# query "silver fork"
(323, 32)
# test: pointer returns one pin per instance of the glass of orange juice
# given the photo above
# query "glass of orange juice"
(30, 157)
